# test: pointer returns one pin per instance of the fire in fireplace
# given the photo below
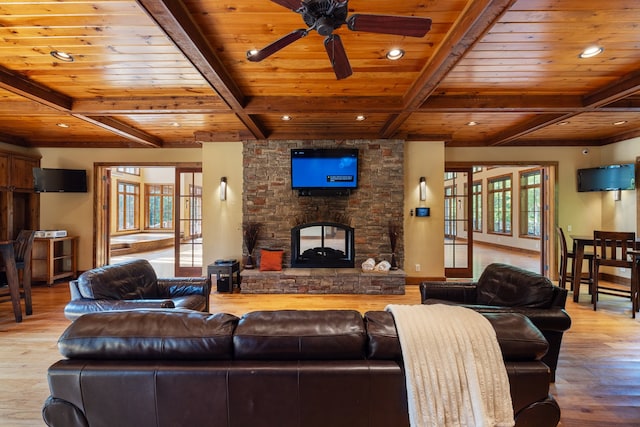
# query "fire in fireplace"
(322, 245)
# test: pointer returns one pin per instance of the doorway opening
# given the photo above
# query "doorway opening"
(502, 206)
(151, 212)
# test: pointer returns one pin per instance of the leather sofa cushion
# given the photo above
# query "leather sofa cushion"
(134, 279)
(506, 285)
(173, 334)
(518, 338)
(300, 335)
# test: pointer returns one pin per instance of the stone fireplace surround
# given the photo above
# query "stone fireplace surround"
(379, 200)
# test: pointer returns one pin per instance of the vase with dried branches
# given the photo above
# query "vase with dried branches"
(394, 232)
(251, 231)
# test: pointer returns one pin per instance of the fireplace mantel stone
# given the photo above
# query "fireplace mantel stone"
(323, 281)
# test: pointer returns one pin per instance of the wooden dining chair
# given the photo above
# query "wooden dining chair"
(565, 273)
(611, 250)
(22, 249)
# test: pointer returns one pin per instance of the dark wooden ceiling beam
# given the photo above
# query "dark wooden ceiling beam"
(148, 105)
(474, 22)
(501, 103)
(20, 85)
(323, 104)
(176, 21)
(122, 129)
(626, 86)
(595, 101)
(526, 128)
(13, 140)
(23, 86)
(203, 137)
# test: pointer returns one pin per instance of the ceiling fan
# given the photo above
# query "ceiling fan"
(325, 16)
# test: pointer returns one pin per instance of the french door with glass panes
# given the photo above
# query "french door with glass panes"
(458, 234)
(188, 214)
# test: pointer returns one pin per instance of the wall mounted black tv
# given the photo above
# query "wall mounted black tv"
(47, 180)
(607, 178)
(324, 171)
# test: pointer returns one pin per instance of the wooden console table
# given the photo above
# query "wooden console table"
(54, 258)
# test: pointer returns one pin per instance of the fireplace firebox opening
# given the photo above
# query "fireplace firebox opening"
(322, 245)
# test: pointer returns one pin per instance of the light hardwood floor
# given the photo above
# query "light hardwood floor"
(598, 382)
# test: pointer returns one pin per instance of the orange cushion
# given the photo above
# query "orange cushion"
(270, 260)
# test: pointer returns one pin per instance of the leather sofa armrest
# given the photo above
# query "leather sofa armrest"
(460, 292)
(74, 290)
(182, 286)
(77, 308)
(559, 297)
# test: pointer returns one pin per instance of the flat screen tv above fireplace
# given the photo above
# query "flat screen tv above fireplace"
(324, 171)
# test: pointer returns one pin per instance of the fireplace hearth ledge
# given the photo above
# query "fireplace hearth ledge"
(323, 281)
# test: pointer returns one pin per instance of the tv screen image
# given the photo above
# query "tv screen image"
(47, 180)
(324, 168)
(607, 178)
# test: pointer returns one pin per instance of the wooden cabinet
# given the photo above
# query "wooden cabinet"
(54, 258)
(21, 178)
(16, 171)
(19, 203)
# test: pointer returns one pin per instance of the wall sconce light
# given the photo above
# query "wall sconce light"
(223, 188)
(423, 188)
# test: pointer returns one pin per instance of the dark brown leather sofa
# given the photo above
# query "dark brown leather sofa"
(333, 368)
(133, 284)
(504, 288)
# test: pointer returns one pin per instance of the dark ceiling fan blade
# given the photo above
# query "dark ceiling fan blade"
(289, 4)
(412, 26)
(337, 56)
(272, 48)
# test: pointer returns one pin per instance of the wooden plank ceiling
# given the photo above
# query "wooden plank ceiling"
(174, 73)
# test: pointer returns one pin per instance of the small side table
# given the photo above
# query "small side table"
(224, 272)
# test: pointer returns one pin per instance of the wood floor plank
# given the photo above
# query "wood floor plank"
(598, 378)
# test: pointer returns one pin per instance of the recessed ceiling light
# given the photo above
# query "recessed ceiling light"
(395, 54)
(563, 123)
(62, 56)
(619, 122)
(591, 51)
(62, 125)
(472, 123)
(361, 118)
(286, 118)
(175, 124)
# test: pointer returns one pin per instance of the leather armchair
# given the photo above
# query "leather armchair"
(131, 285)
(504, 288)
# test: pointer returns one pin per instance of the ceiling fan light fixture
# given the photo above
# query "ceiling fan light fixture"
(62, 56)
(395, 54)
(591, 51)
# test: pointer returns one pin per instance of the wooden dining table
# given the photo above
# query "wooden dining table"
(579, 244)
(9, 263)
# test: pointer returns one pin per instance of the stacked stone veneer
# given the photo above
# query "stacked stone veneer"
(268, 198)
(322, 281)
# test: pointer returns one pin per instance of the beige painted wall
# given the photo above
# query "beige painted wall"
(424, 237)
(222, 220)
(74, 211)
(222, 230)
(578, 211)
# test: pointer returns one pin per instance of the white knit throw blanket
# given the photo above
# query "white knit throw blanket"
(454, 370)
